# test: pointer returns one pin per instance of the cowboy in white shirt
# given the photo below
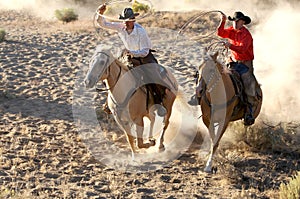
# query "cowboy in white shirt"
(138, 47)
(132, 34)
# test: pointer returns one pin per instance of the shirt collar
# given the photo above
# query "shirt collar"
(134, 32)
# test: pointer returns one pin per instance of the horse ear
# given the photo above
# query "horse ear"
(215, 55)
(204, 51)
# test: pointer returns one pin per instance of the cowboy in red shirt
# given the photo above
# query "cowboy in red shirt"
(240, 43)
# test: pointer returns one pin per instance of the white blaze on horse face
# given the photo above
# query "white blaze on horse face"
(97, 67)
(208, 68)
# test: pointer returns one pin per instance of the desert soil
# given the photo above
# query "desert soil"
(42, 152)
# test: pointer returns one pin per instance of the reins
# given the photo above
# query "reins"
(217, 106)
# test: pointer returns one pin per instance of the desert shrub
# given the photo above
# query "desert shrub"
(80, 1)
(140, 7)
(292, 189)
(66, 15)
(2, 34)
(280, 137)
(114, 9)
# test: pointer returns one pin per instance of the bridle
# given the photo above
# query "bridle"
(107, 71)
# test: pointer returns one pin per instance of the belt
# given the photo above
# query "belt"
(243, 61)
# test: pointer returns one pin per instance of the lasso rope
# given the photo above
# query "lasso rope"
(213, 46)
(195, 18)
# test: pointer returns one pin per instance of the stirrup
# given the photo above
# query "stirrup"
(249, 119)
(194, 101)
(161, 111)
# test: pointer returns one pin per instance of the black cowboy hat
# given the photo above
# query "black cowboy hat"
(239, 15)
(128, 14)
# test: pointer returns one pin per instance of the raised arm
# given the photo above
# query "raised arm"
(105, 24)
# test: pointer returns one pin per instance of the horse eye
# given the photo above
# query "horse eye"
(102, 62)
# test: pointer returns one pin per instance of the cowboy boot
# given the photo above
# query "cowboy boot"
(248, 118)
(195, 99)
(157, 93)
(249, 87)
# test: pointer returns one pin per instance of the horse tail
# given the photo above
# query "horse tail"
(181, 98)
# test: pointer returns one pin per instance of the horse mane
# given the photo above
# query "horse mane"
(123, 63)
(225, 69)
(120, 61)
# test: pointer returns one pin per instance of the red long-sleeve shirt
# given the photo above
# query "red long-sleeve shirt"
(241, 42)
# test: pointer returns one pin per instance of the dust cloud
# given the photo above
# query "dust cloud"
(45, 9)
(276, 42)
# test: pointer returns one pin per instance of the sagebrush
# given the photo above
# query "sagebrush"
(2, 34)
(140, 7)
(66, 15)
(292, 189)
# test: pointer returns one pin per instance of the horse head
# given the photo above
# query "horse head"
(98, 66)
(209, 68)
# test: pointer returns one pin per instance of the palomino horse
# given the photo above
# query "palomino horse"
(128, 101)
(221, 101)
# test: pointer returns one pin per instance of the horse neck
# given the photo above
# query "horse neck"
(224, 86)
(114, 74)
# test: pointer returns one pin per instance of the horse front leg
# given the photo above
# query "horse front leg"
(208, 166)
(130, 139)
(216, 132)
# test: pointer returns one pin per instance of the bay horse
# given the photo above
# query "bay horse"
(127, 99)
(221, 101)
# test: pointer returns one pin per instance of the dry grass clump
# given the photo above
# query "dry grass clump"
(292, 189)
(140, 7)
(66, 15)
(281, 137)
(2, 34)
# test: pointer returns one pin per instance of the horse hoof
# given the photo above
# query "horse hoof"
(152, 142)
(207, 170)
(214, 170)
(161, 148)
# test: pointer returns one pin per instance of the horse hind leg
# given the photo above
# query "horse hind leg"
(139, 133)
(168, 103)
(152, 122)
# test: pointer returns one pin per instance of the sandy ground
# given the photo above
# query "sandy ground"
(46, 153)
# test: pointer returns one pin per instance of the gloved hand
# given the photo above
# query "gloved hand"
(128, 53)
(227, 44)
(102, 9)
(223, 17)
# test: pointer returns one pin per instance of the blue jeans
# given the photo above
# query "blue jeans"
(240, 68)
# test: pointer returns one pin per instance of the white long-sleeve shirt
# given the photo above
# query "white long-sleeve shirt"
(137, 42)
